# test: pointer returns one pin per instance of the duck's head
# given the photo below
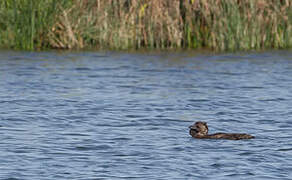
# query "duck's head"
(200, 128)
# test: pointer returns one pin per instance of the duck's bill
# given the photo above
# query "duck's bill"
(192, 127)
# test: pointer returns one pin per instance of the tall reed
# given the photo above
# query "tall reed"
(215, 24)
(232, 25)
(24, 24)
(153, 24)
(119, 24)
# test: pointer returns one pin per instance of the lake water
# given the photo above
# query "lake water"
(108, 115)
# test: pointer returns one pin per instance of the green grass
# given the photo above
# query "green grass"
(24, 24)
(221, 25)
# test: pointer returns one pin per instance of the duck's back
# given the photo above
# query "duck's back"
(232, 136)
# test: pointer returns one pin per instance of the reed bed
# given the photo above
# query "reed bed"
(24, 24)
(152, 24)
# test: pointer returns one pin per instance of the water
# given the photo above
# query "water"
(125, 116)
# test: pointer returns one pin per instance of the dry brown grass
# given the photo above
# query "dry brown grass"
(135, 24)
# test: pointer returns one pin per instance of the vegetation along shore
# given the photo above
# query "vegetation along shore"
(146, 24)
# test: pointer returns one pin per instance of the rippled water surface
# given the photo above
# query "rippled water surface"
(119, 116)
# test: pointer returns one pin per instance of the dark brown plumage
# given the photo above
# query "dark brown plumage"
(200, 130)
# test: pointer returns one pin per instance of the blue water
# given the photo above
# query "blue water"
(106, 115)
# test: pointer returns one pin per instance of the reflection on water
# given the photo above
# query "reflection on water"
(116, 115)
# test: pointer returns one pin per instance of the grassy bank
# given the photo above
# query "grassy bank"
(152, 24)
